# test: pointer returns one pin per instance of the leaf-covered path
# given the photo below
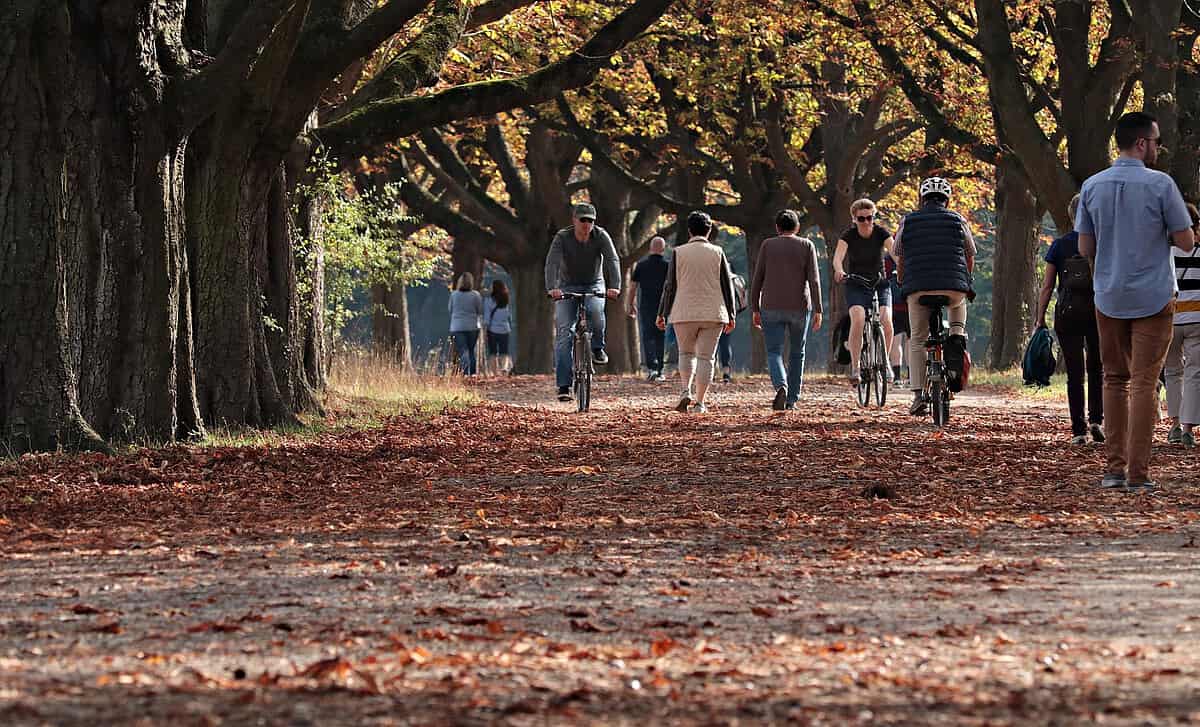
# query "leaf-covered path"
(518, 563)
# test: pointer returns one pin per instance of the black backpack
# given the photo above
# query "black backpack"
(1076, 298)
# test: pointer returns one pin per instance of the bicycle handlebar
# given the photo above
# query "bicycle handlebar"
(863, 282)
(580, 296)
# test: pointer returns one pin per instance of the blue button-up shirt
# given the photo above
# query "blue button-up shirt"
(1131, 211)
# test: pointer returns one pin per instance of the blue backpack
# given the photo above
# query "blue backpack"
(1039, 362)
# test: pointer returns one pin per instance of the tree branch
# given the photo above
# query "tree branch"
(199, 94)
(498, 149)
(390, 119)
(419, 63)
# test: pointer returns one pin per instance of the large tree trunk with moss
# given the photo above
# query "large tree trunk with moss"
(228, 195)
(1014, 273)
(534, 319)
(91, 260)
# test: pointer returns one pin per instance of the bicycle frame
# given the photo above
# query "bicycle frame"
(873, 361)
(583, 369)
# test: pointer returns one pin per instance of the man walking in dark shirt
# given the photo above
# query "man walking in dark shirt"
(785, 296)
(582, 259)
(648, 277)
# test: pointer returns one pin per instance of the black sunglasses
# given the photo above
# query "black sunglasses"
(866, 218)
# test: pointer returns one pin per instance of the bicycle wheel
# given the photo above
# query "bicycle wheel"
(883, 373)
(864, 373)
(939, 402)
(583, 373)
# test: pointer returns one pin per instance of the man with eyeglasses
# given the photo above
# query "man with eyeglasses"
(582, 259)
(1129, 217)
(860, 251)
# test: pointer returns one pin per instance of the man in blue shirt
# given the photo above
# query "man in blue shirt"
(649, 276)
(1129, 216)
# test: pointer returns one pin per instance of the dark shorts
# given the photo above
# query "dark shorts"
(497, 344)
(858, 295)
(900, 323)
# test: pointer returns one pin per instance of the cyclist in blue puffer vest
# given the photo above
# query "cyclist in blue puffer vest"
(936, 255)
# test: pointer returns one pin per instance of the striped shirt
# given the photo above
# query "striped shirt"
(1187, 275)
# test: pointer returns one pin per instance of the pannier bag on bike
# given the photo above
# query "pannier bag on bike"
(958, 362)
(1038, 365)
(842, 341)
(1076, 304)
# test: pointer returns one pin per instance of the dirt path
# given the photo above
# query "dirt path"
(521, 564)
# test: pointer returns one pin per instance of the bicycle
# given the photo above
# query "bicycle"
(874, 369)
(937, 388)
(584, 368)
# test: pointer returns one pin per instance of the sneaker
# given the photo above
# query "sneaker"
(650, 376)
(1112, 482)
(700, 408)
(599, 357)
(1079, 439)
(726, 378)
(1188, 439)
(918, 405)
(684, 402)
(564, 393)
(790, 406)
(780, 399)
(1175, 436)
(1097, 432)
(1146, 486)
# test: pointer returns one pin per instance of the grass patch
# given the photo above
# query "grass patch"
(1012, 381)
(365, 389)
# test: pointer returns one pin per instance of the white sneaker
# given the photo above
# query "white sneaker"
(1079, 439)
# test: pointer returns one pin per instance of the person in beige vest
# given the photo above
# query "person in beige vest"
(698, 300)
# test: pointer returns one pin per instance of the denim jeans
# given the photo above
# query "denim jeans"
(653, 341)
(777, 327)
(464, 346)
(725, 350)
(564, 330)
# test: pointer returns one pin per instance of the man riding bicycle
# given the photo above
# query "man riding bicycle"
(936, 256)
(582, 259)
(860, 252)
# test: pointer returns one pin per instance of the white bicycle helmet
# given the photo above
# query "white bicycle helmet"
(935, 185)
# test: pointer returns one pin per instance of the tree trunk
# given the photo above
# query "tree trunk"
(91, 224)
(228, 202)
(1014, 289)
(466, 257)
(1185, 159)
(389, 319)
(534, 319)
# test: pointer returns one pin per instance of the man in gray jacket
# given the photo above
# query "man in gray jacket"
(582, 259)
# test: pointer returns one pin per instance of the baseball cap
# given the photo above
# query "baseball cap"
(584, 211)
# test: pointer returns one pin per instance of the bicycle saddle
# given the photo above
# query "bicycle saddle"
(934, 301)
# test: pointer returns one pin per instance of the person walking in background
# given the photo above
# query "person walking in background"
(1129, 216)
(900, 324)
(497, 321)
(741, 299)
(466, 308)
(1075, 328)
(785, 294)
(698, 300)
(648, 277)
(1183, 356)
